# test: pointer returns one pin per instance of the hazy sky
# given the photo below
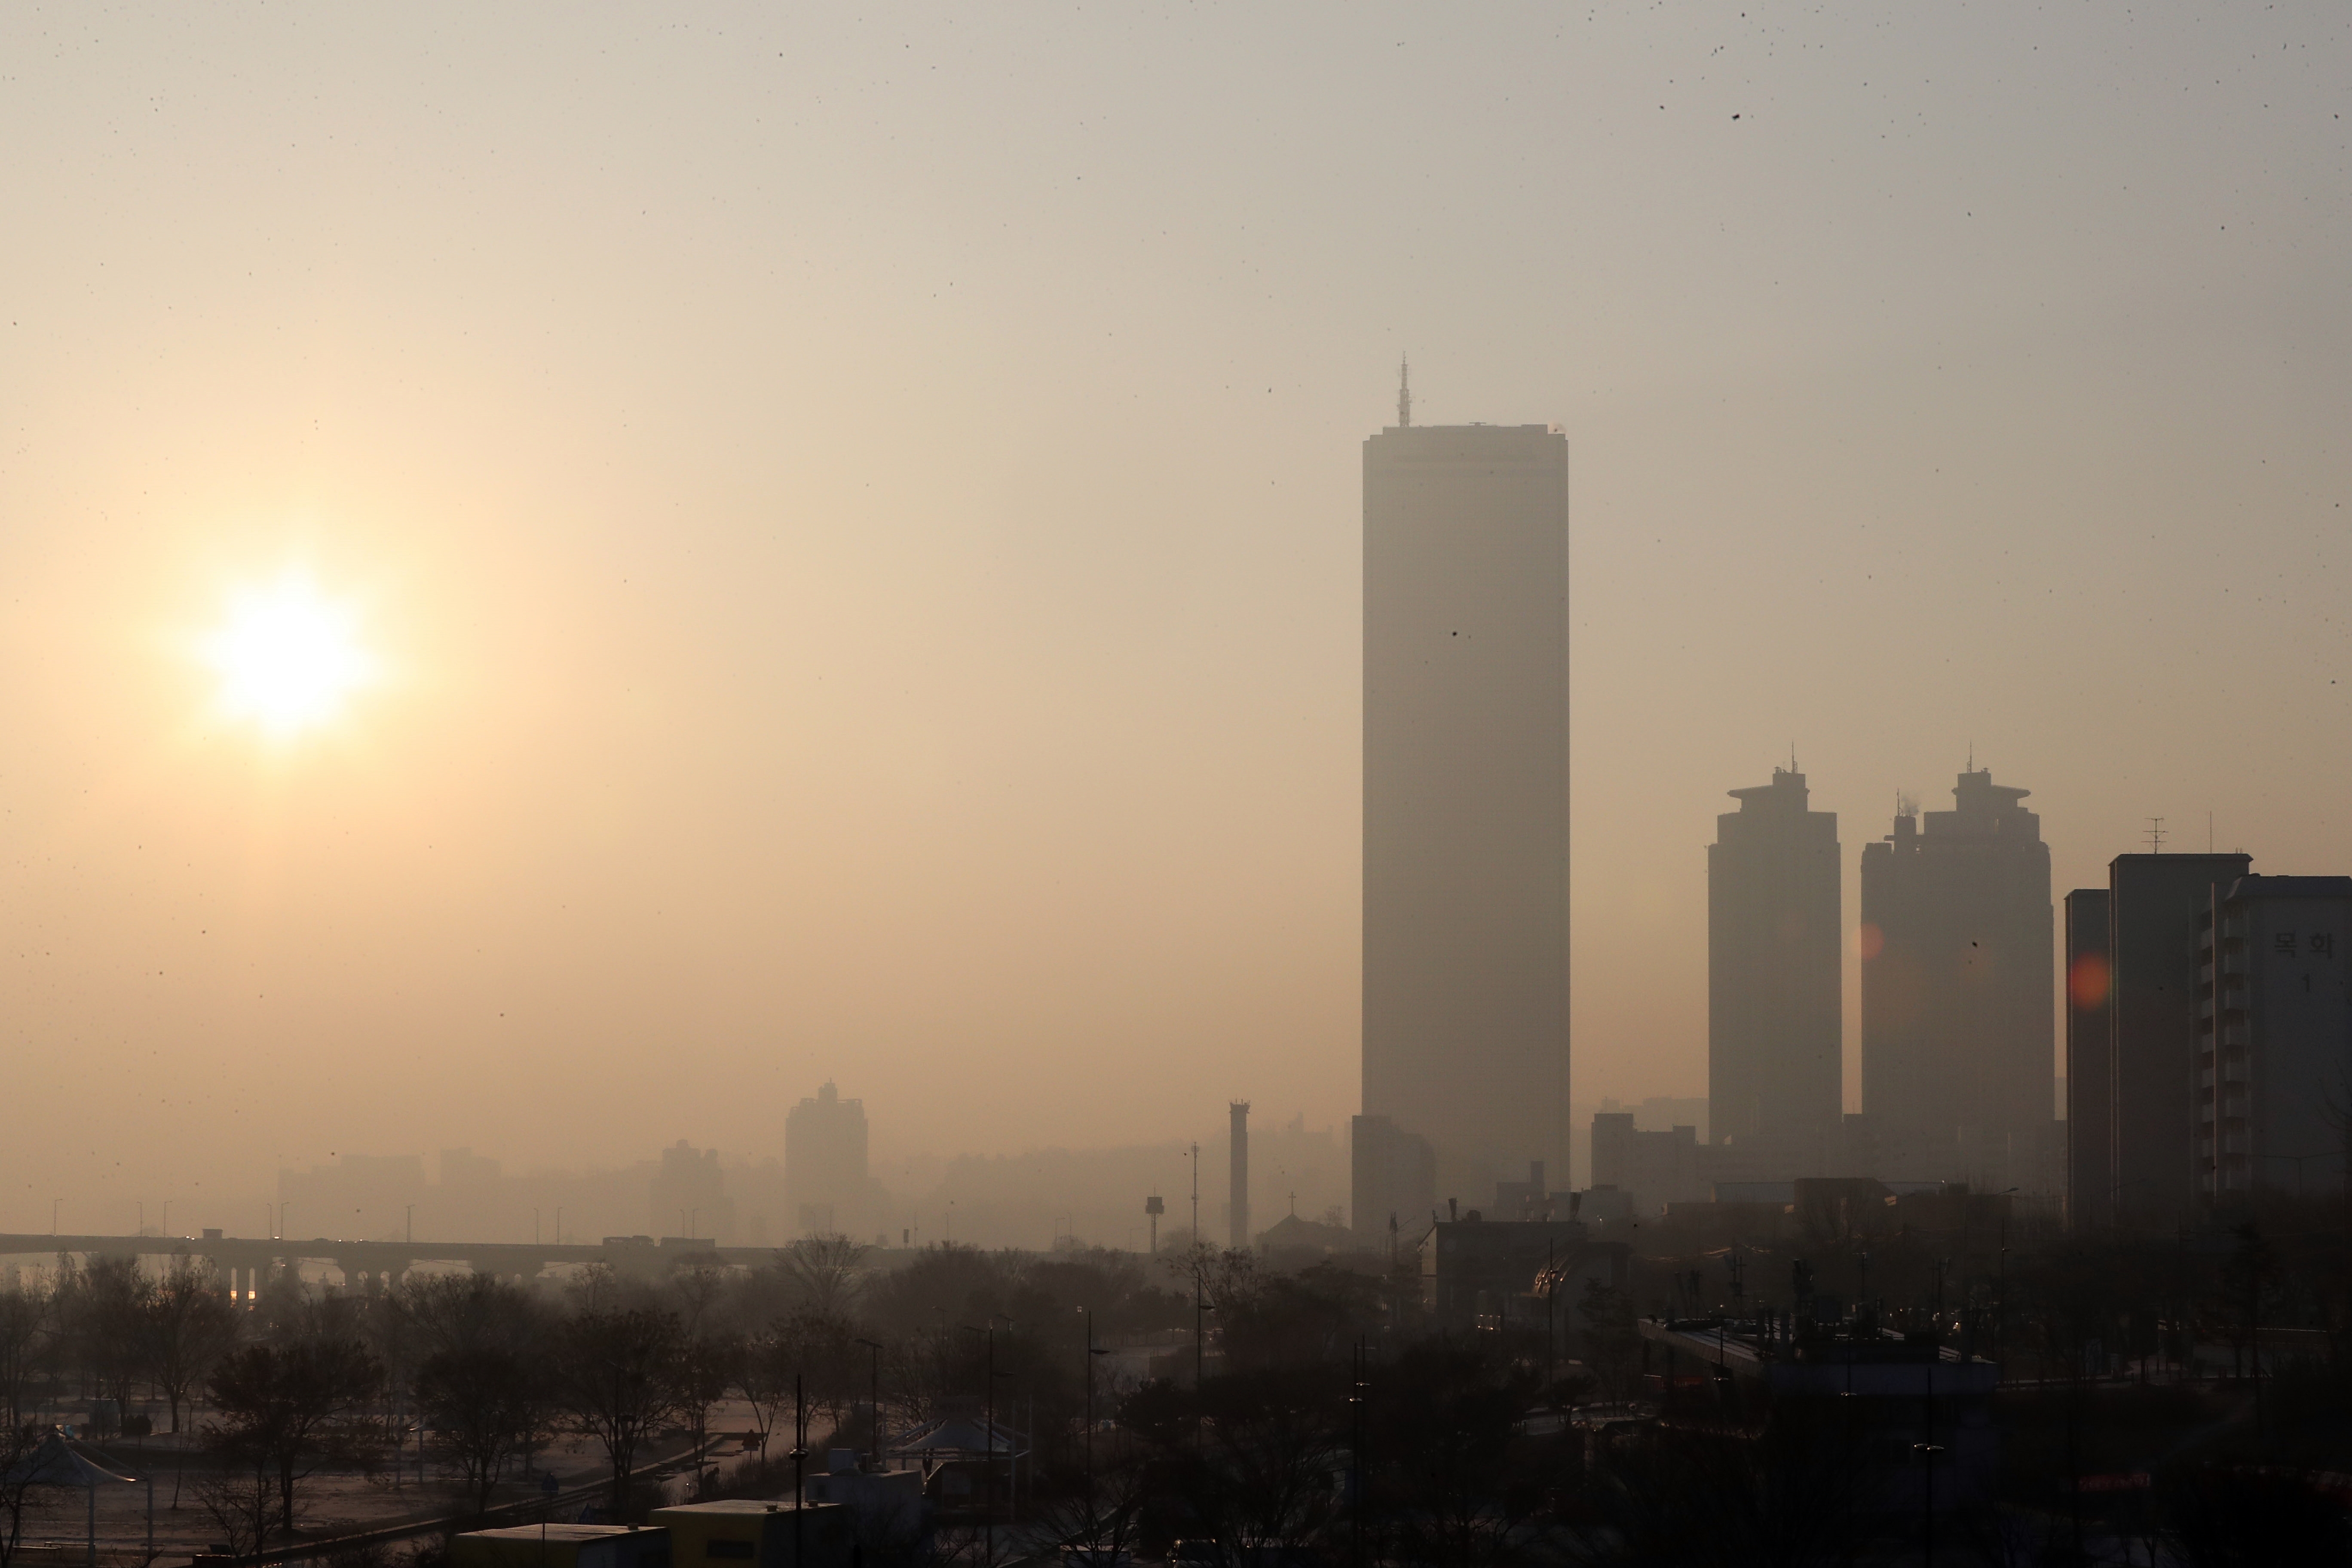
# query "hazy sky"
(856, 513)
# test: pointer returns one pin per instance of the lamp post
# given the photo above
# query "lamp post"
(874, 1406)
(1093, 1525)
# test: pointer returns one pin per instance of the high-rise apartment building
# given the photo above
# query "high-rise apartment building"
(2156, 906)
(825, 1160)
(1773, 947)
(1957, 1069)
(2089, 1026)
(1465, 796)
(2275, 1038)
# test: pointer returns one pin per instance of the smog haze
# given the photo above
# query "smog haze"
(573, 574)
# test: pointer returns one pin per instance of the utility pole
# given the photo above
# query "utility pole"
(987, 1487)
(1358, 1383)
(1927, 1451)
(988, 1497)
(1094, 1521)
(1551, 1293)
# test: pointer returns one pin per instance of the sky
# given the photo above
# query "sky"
(852, 518)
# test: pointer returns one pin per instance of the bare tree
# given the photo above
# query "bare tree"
(20, 1441)
(99, 1306)
(288, 1407)
(28, 1331)
(823, 1270)
(707, 1365)
(184, 1325)
(701, 1290)
(763, 1376)
(616, 1372)
(461, 1311)
(486, 1404)
(241, 1499)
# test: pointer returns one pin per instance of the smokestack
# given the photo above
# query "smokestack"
(1241, 1175)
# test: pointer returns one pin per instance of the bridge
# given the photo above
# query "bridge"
(243, 1261)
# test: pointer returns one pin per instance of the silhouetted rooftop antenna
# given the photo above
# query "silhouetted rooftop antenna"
(2156, 835)
(1405, 393)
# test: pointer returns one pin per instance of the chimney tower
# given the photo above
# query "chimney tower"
(1241, 1228)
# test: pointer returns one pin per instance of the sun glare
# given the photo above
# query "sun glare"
(287, 656)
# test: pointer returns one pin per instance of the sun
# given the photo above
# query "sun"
(288, 655)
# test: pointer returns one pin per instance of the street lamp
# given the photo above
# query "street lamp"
(1094, 1526)
(874, 1409)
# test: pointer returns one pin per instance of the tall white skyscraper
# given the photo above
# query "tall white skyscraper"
(1465, 800)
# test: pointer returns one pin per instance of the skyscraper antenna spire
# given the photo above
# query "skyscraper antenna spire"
(1405, 393)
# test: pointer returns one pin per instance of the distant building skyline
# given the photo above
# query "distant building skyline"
(1465, 999)
(690, 1192)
